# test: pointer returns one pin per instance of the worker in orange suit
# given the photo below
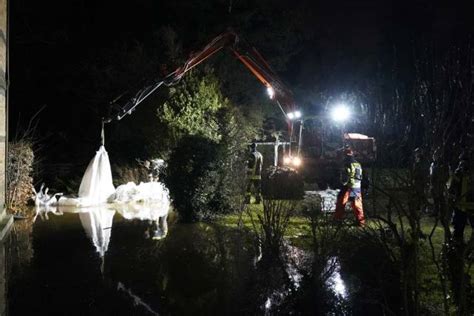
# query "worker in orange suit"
(351, 178)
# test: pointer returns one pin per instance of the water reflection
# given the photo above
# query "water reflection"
(137, 301)
(43, 211)
(204, 269)
(154, 213)
(97, 223)
(335, 281)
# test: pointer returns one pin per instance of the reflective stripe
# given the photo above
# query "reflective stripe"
(355, 175)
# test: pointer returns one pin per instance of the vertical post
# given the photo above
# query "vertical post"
(3, 102)
(275, 155)
(300, 141)
(291, 139)
(5, 220)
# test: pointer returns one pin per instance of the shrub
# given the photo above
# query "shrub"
(19, 174)
(282, 183)
(204, 178)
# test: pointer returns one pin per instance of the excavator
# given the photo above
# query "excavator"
(259, 67)
(245, 53)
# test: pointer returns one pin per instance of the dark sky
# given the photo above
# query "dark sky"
(315, 45)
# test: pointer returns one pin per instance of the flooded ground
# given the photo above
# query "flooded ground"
(101, 263)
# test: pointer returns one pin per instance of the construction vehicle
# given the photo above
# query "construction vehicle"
(320, 150)
(260, 68)
(245, 53)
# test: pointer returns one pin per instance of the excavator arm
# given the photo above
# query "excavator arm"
(248, 55)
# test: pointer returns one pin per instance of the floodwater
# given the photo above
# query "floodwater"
(106, 262)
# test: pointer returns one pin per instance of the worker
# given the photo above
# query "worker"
(254, 174)
(461, 192)
(351, 178)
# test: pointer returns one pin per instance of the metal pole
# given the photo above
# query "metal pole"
(300, 140)
(291, 139)
(275, 156)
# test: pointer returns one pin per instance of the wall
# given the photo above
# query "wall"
(3, 98)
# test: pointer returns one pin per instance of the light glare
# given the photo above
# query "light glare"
(271, 92)
(286, 160)
(291, 115)
(340, 113)
(297, 161)
(297, 114)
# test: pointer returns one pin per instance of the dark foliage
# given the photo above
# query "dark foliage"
(203, 178)
(283, 183)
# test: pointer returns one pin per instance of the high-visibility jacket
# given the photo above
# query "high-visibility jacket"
(461, 186)
(352, 174)
(254, 167)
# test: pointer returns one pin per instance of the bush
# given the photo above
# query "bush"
(204, 178)
(282, 183)
(19, 174)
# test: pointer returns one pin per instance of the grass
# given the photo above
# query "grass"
(298, 225)
(298, 234)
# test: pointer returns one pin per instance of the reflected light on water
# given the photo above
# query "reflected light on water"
(335, 282)
(268, 304)
(297, 256)
(338, 285)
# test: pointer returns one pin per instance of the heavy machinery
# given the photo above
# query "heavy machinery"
(320, 168)
(248, 55)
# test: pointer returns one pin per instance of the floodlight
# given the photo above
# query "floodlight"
(296, 161)
(270, 92)
(340, 113)
(291, 115)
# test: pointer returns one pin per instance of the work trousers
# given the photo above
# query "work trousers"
(460, 219)
(355, 197)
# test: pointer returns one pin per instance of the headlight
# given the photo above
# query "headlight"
(286, 160)
(296, 161)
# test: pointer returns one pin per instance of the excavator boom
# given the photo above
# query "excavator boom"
(248, 55)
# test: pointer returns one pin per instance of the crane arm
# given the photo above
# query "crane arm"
(248, 55)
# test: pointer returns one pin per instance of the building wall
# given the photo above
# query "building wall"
(3, 98)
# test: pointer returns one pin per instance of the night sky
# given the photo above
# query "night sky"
(61, 51)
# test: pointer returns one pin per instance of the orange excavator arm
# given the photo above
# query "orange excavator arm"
(248, 55)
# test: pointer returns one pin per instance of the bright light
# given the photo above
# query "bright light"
(271, 92)
(296, 161)
(286, 160)
(340, 113)
(294, 115)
